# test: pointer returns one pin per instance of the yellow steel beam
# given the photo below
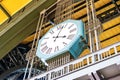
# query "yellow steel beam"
(109, 33)
(98, 4)
(111, 23)
(3, 17)
(110, 41)
(101, 10)
(13, 6)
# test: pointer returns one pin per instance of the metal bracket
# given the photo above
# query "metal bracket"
(84, 41)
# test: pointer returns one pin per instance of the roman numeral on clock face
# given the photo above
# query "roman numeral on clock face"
(44, 48)
(70, 36)
(71, 26)
(56, 48)
(72, 30)
(59, 27)
(43, 44)
(49, 51)
(51, 32)
(64, 43)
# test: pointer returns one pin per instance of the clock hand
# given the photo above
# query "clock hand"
(58, 34)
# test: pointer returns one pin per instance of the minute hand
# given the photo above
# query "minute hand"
(58, 34)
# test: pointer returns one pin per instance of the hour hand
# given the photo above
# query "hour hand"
(62, 36)
(59, 36)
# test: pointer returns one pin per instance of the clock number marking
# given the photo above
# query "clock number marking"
(46, 38)
(48, 51)
(70, 36)
(44, 48)
(56, 48)
(73, 30)
(64, 43)
(59, 27)
(43, 44)
(51, 32)
(70, 26)
(65, 25)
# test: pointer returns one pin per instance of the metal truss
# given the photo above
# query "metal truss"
(14, 58)
(14, 63)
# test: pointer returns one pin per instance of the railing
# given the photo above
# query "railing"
(84, 62)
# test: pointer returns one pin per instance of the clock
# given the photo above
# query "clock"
(62, 38)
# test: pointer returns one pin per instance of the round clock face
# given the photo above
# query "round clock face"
(58, 38)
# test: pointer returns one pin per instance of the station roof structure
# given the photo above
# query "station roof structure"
(18, 21)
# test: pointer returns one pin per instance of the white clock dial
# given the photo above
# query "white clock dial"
(58, 38)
